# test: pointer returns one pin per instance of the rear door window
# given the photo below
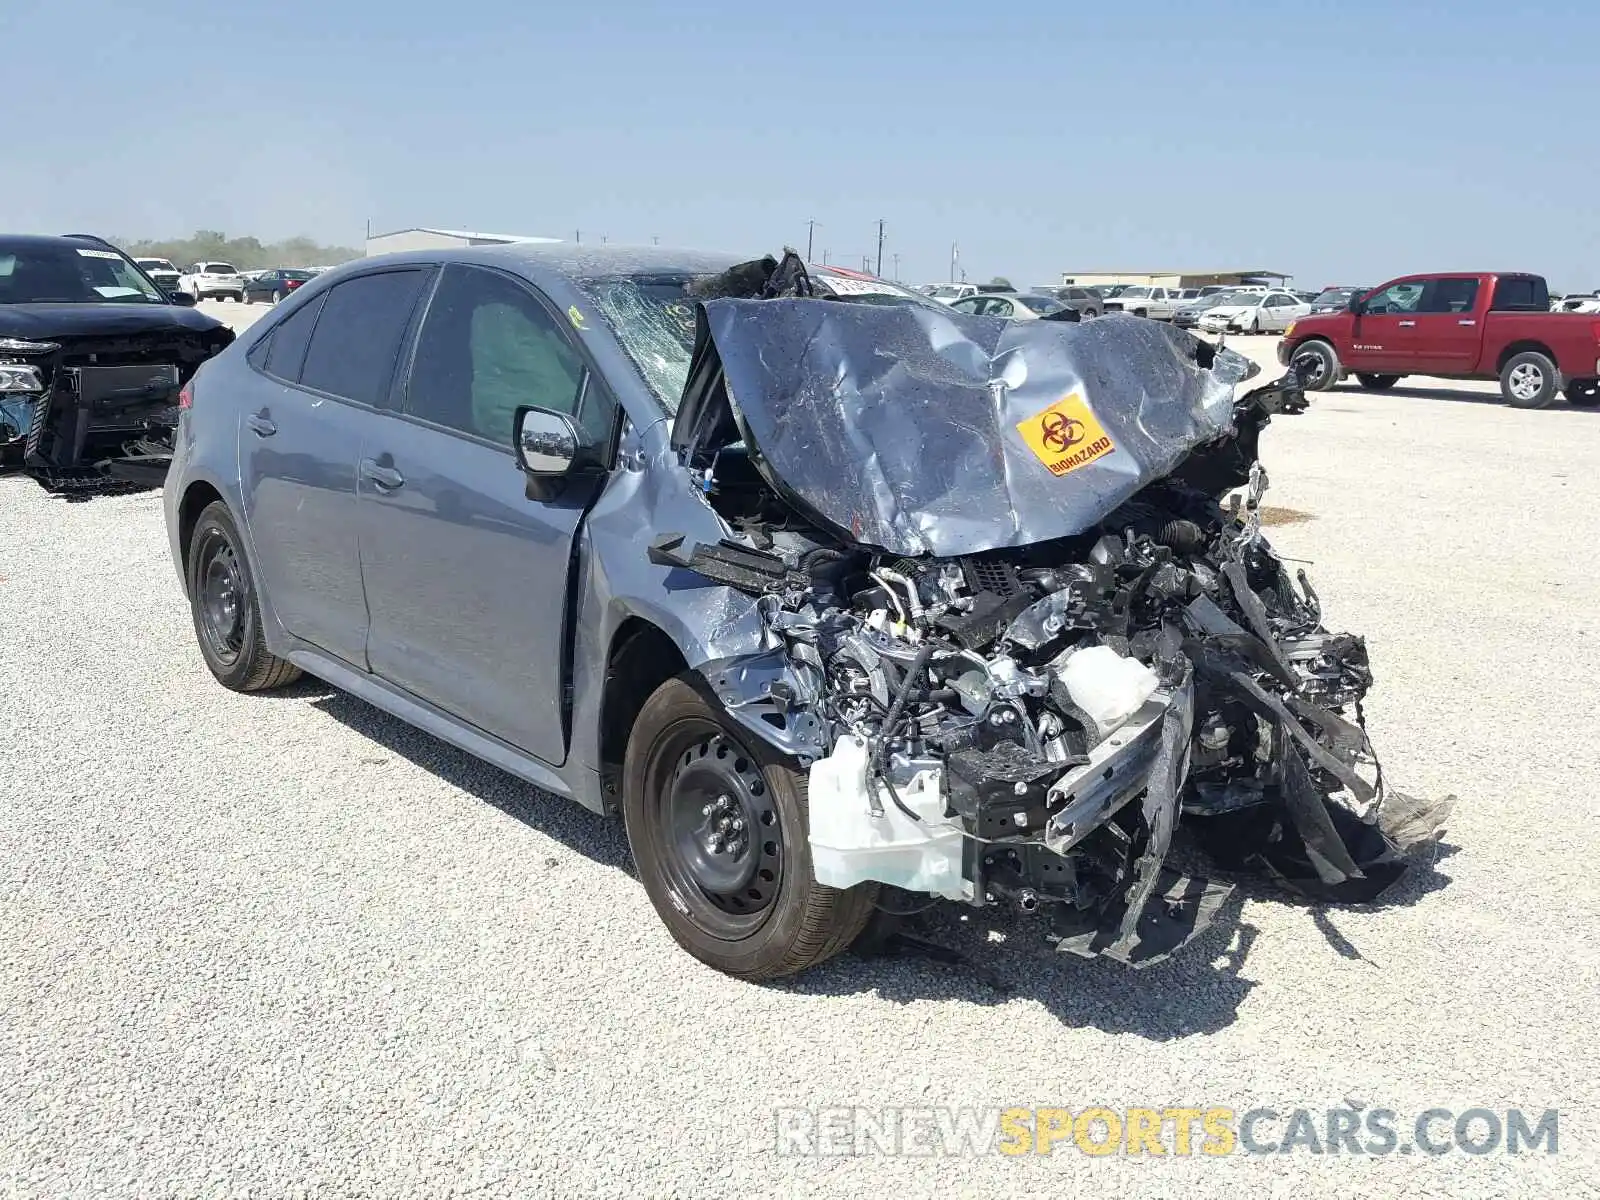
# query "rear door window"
(357, 340)
(487, 347)
(1449, 296)
(286, 347)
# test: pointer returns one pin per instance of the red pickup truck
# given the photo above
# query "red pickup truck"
(1458, 325)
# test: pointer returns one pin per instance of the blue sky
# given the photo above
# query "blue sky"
(1343, 142)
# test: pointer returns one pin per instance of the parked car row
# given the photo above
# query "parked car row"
(213, 280)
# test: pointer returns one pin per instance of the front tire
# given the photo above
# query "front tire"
(1324, 364)
(227, 616)
(1529, 380)
(277, 297)
(1378, 383)
(718, 833)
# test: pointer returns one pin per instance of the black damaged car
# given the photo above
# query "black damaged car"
(92, 357)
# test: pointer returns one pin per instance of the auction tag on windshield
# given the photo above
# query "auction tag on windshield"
(111, 254)
(1066, 436)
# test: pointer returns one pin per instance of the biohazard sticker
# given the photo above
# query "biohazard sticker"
(1066, 435)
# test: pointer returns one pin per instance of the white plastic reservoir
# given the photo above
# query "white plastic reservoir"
(849, 845)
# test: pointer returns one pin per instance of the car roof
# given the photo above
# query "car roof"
(575, 261)
(11, 242)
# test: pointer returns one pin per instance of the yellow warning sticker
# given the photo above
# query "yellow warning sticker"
(576, 317)
(1066, 436)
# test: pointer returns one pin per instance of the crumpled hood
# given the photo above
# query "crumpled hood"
(918, 430)
(44, 322)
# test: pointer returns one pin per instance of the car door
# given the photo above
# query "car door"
(1447, 331)
(467, 577)
(1382, 338)
(325, 372)
(1275, 312)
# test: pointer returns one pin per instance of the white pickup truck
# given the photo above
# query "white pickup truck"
(1158, 303)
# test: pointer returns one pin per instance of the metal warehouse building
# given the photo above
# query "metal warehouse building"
(1171, 279)
(441, 239)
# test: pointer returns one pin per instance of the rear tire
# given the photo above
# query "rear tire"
(1378, 383)
(1325, 364)
(1529, 380)
(1584, 393)
(277, 297)
(753, 910)
(227, 616)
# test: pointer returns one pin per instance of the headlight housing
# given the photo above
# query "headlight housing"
(20, 378)
(18, 346)
(1288, 330)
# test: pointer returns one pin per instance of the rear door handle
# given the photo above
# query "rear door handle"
(1407, 324)
(386, 478)
(261, 424)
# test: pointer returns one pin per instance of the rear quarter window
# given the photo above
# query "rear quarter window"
(286, 345)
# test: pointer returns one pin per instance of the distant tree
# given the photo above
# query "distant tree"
(1000, 281)
(246, 253)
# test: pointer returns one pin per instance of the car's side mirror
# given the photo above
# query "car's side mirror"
(548, 444)
(182, 299)
(1354, 303)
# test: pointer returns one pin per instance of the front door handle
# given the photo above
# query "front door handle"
(1466, 322)
(386, 478)
(261, 424)
(1408, 324)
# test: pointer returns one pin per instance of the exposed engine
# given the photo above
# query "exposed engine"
(1029, 725)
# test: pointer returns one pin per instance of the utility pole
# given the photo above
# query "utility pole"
(897, 268)
(824, 258)
(655, 240)
(577, 236)
(879, 271)
(811, 229)
(955, 254)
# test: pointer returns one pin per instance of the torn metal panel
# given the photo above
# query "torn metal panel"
(918, 430)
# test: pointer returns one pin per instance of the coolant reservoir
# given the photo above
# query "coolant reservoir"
(1107, 685)
(849, 845)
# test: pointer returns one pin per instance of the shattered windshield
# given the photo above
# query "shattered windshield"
(63, 273)
(653, 318)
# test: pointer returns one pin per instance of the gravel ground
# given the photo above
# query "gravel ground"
(284, 945)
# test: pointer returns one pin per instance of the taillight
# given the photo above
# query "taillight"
(293, 283)
(186, 397)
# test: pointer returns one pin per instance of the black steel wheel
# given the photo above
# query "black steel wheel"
(718, 830)
(227, 617)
